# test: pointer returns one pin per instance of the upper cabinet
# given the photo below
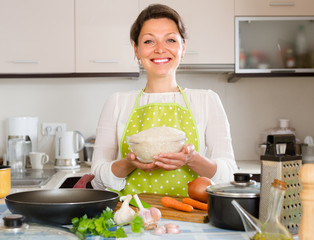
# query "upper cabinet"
(210, 29)
(102, 36)
(274, 45)
(79, 37)
(37, 36)
(274, 7)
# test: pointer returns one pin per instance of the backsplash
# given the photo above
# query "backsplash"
(252, 104)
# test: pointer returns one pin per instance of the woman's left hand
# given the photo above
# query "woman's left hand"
(173, 161)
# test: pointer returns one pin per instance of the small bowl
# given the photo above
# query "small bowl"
(147, 147)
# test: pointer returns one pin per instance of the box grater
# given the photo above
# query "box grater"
(281, 161)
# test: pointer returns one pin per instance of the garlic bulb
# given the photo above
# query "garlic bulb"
(125, 214)
(150, 216)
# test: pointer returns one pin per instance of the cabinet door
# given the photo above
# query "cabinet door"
(210, 29)
(274, 7)
(102, 36)
(37, 36)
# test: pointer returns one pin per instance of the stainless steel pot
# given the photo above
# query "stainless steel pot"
(59, 206)
(221, 212)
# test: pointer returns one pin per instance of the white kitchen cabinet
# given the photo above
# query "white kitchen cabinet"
(274, 7)
(37, 36)
(210, 29)
(102, 36)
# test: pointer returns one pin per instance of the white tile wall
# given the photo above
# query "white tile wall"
(252, 104)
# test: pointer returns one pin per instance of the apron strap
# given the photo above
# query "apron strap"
(185, 99)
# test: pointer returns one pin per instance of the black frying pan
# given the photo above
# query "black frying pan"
(61, 205)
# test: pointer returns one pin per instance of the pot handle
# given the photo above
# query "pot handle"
(81, 183)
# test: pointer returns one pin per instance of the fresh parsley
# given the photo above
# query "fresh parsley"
(104, 225)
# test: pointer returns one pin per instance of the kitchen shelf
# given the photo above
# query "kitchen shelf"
(234, 77)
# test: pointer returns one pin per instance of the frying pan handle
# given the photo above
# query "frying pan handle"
(81, 183)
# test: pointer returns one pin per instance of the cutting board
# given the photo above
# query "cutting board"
(198, 216)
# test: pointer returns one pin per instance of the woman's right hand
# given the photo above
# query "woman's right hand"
(146, 167)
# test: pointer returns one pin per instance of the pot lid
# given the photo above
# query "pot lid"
(241, 187)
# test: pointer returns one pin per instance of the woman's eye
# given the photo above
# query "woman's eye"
(148, 41)
(172, 40)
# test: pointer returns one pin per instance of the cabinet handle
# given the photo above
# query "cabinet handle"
(105, 61)
(281, 4)
(282, 71)
(26, 61)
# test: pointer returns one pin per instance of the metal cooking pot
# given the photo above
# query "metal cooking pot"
(221, 212)
(59, 206)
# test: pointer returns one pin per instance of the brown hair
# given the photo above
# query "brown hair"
(156, 11)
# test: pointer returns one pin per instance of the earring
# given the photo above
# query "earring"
(139, 61)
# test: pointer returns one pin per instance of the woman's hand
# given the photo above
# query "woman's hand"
(146, 167)
(172, 161)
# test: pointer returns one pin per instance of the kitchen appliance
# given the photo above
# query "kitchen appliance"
(281, 161)
(59, 206)
(221, 212)
(89, 150)
(22, 138)
(68, 146)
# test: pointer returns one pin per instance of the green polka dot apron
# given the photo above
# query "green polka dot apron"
(157, 115)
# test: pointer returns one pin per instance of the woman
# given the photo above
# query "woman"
(158, 35)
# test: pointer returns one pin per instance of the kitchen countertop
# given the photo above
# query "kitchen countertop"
(189, 230)
(249, 166)
(56, 180)
(245, 166)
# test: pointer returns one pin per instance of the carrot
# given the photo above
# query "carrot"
(173, 203)
(195, 203)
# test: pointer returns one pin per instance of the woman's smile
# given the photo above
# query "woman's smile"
(161, 60)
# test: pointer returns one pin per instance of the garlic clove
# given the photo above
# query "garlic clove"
(159, 230)
(171, 225)
(172, 228)
(173, 231)
(155, 214)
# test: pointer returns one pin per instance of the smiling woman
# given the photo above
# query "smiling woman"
(158, 37)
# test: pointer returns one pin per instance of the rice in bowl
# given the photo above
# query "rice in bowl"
(153, 141)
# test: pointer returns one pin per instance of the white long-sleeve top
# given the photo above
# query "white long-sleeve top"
(210, 117)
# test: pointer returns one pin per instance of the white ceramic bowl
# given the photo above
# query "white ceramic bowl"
(163, 140)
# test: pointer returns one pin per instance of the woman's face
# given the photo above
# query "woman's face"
(160, 47)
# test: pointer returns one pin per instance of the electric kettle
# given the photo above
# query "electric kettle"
(68, 146)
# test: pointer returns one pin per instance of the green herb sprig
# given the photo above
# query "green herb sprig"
(104, 225)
